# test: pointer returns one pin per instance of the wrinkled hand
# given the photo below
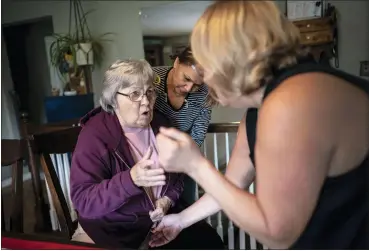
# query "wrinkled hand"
(167, 230)
(177, 151)
(162, 207)
(143, 176)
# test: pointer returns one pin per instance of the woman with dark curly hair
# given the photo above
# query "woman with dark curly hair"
(183, 98)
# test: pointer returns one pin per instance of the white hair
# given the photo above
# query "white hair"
(123, 74)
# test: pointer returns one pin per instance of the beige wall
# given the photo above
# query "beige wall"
(38, 69)
(353, 37)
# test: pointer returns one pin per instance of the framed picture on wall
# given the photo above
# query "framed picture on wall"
(298, 10)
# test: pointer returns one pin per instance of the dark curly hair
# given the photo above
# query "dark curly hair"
(186, 58)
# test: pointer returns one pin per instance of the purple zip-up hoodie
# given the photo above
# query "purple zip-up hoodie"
(112, 210)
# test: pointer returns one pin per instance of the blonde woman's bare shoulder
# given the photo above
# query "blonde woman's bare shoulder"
(308, 91)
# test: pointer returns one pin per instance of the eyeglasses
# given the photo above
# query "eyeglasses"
(137, 96)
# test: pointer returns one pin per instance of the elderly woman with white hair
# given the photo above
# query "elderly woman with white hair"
(117, 185)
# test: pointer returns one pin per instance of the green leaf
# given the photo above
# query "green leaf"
(64, 43)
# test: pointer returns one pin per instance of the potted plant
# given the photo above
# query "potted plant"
(78, 50)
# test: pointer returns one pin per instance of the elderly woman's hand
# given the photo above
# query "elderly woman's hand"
(162, 206)
(143, 176)
(177, 151)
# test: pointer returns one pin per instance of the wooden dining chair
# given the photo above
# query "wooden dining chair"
(13, 153)
(27, 130)
(54, 150)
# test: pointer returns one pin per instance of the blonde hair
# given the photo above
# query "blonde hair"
(240, 42)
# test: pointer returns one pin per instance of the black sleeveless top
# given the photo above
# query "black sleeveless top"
(341, 217)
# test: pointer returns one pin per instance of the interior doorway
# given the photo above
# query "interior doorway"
(166, 29)
(29, 69)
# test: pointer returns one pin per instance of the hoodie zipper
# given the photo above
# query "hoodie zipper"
(147, 194)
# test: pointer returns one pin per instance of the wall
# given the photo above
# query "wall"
(38, 69)
(110, 16)
(9, 126)
(353, 37)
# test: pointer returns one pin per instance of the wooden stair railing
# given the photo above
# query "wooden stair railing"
(218, 145)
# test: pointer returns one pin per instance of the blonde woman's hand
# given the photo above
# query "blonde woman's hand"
(162, 206)
(167, 230)
(142, 174)
(178, 153)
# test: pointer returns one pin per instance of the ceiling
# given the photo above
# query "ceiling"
(171, 19)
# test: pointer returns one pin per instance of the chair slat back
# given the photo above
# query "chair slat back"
(44, 223)
(12, 150)
(30, 128)
(56, 141)
(54, 148)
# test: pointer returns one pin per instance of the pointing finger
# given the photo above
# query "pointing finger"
(146, 164)
(147, 154)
